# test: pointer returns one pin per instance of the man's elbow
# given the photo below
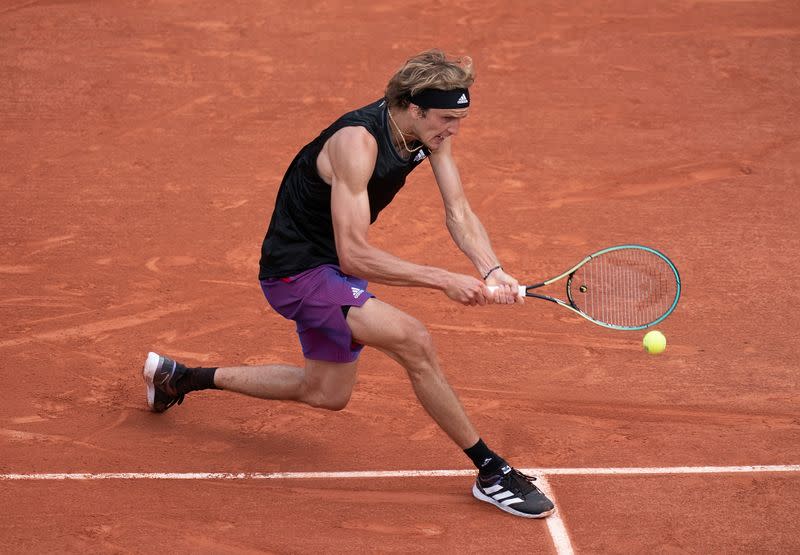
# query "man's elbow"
(350, 262)
(347, 265)
(354, 255)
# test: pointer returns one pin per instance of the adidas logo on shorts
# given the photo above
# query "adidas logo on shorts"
(356, 292)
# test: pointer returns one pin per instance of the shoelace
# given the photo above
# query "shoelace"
(518, 482)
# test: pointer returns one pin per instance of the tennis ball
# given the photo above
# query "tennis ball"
(654, 342)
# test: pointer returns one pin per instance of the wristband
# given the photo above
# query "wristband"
(498, 267)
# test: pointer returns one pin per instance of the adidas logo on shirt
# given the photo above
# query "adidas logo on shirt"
(419, 157)
(462, 100)
(356, 292)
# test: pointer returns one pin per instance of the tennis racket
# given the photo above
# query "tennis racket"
(627, 287)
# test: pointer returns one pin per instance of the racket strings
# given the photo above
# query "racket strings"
(625, 287)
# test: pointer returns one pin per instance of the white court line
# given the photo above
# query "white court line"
(668, 470)
(236, 475)
(393, 473)
(555, 524)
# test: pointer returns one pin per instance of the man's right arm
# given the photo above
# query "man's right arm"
(347, 162)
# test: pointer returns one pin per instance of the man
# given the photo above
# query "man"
(316, 260)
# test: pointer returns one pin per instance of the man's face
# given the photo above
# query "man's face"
(436, 125)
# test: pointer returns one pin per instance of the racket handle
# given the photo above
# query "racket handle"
(520, 293)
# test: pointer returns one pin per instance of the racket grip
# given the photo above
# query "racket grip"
(520, 293)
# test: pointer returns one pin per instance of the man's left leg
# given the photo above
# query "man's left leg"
(407, 341)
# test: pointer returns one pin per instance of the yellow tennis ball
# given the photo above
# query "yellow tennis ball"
(654, 342)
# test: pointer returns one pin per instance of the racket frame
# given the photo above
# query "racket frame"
(526, 290)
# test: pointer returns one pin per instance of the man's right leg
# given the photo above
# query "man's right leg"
(319, 383)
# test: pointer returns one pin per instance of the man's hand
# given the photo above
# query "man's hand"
(467, 290)
(507, 288)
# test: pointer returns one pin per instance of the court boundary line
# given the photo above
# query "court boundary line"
(372, 474)
(555, 523)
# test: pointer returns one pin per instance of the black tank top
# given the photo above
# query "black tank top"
(300, 234)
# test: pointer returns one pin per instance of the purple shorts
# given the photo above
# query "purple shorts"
(314, 299)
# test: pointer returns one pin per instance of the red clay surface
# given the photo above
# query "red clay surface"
(142, 146)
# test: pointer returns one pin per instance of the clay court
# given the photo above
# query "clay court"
(141, 148)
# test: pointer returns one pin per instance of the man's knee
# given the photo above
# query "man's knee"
(326, 393)
(417, 345)
(331, 401)
(328, 399)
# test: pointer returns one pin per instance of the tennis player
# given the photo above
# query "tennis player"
(317, 259)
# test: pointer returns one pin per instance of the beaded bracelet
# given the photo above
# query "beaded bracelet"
(498, 267)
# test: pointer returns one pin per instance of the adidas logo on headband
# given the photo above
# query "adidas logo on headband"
(462, 99)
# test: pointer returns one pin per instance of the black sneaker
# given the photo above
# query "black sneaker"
(513, 492)
(160, 375)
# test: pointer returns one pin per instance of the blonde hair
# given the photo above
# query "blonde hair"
(428, 70)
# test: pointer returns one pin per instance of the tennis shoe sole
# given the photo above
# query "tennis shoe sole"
(148, 373)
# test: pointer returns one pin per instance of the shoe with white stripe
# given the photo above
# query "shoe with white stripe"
(161, 374)
(513, 492)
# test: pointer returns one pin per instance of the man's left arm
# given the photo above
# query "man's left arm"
(466, 229)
